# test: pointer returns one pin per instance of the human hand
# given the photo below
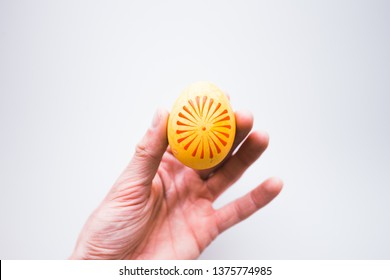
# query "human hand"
(161, 209)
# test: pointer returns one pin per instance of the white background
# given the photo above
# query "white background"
(80, 81)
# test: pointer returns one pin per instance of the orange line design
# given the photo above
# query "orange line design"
(223, 113)
(189, 112)
(181, 115)
(198, 104)
(196, 149)
(189, 143)
(216, 146)
(211, 150)
(185, 137)
(225, 126)
(224, 119)
(220, 139)
(183, 124)
(202, 153)
(204, 103)
(223, 133)
(183, 131)
(193, 107)
(189, 123)
(208, 110)
(215, 110)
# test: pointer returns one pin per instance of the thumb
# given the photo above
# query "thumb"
(149, 151)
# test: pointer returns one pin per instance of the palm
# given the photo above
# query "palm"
(185, 219)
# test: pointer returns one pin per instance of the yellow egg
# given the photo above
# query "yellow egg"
(201, 126)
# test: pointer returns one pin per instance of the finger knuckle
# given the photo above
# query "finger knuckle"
(143, 152)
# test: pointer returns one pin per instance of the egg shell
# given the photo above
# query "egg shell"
(201, 126)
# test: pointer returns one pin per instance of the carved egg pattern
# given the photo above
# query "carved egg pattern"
(201, 126)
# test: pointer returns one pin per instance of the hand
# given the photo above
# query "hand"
(161, 209)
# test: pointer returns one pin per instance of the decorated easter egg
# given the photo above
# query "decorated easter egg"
(201, 126)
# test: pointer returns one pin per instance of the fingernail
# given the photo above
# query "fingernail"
(156, 118)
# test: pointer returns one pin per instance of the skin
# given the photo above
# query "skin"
(160, 209)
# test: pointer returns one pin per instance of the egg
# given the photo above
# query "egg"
(201, 126)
